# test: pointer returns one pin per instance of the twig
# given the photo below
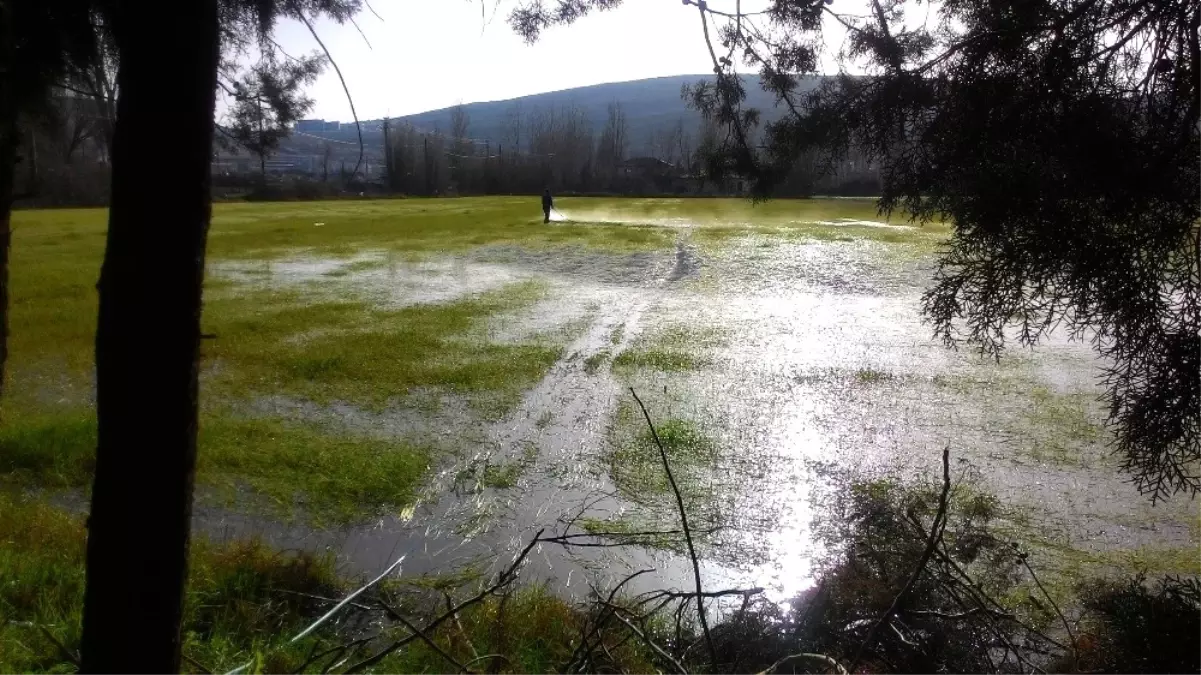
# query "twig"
(506, 576)
(486, 656)
(361, 33)
(1071, 636)
(654, 595)
(61, 647)
(450, 605)
(931, 543)
(696, 566)
(649, 643)
(372, 10)
(199, 666)
(600, 622)
(358, 127)
(396, 616)
(619, 539)
(806, 656)
(338, 648)
(320, 598)
(345, 601)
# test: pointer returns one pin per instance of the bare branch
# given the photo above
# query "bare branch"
(324, 617)
(696, 566)
(358, 127)
(650, 643)
(1067, 627)
(396, 616)
(931, 543)
(67, 653)
(503, 579)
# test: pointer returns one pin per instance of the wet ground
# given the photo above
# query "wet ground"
(788, 350)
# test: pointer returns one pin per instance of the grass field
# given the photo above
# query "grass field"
(370, 358)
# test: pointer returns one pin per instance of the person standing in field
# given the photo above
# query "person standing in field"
(548, 203)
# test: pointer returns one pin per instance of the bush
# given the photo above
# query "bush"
(1134, 628)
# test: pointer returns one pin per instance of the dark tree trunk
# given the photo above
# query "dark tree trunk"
(8, 159)
(147, 339)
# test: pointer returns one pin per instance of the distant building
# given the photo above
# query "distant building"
(310, 126)
(648, 175)
(647, 166)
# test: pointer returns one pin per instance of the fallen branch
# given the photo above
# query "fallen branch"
(450, 603)
(314, 658)
(599, 624)
(336, 608)
(650, 643)
(396, 616)
(503, 579)
(696, 565)
(61, 647)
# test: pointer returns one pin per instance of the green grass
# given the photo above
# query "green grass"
(353, 352)
(504, 475)
(659, 359)
(672, 349)
(299, 467)
(244, 603)
(323, 341)
(872, 376)
(635, 464)
(339, 476)
(241, 600)
(417, 226)
(594, 362)
(628, 524)
(1063, 427)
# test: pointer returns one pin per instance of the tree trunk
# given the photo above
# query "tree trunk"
(147, 340)
(8, 159)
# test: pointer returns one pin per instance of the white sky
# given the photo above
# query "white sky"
(429, 54)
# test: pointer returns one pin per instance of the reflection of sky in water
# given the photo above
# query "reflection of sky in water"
(800, 320)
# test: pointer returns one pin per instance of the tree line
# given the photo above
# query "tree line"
(561, 150)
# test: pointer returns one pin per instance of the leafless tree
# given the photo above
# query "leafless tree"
(614, 143)
(461, 147)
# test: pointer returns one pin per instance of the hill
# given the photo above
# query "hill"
(650, 105)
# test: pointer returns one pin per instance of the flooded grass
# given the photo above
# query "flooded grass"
(355, 365)
(872, 376)
(637, 468)
(594, 362)
(672, 348)
(365, 355)
(302, 469)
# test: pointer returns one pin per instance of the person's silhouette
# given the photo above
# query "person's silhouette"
(548, 203)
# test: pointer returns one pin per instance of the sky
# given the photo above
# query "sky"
(429, 54)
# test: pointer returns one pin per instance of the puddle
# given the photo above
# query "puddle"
(851, 222)
(375, 276)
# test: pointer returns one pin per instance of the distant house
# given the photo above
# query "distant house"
(651, 174)
(317, 126)
(646, 166)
